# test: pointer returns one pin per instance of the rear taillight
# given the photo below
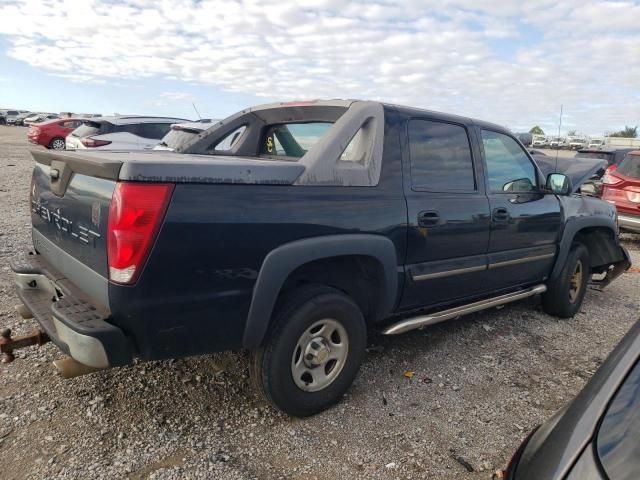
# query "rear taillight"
(92, 142)
(135, 216)
(611, 168)
(633, 194)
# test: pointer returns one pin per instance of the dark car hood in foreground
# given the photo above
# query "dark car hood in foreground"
(557, 444)
(579, 170)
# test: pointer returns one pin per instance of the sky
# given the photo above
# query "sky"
(506, 61)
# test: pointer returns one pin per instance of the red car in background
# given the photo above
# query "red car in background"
(622, 188)
(51, 134)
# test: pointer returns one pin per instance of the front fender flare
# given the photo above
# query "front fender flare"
(279, 264)
(572, 228)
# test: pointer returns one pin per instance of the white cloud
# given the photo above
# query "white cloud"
(508, 61)
(177, 96)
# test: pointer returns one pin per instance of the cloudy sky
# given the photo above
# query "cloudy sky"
(507, 61)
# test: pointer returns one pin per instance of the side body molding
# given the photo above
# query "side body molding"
(280, 262)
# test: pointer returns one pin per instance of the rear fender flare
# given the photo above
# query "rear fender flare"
(282, 261)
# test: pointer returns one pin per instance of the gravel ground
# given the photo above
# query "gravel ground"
(480, 384)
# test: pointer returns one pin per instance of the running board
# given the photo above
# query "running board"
(423, 321)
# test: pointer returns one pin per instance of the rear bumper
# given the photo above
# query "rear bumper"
(629, 222)
(77, 326)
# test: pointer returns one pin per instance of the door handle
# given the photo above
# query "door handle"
(428, 219)
(500, 215)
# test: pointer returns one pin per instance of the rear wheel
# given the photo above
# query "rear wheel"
(313, 353)
(565, 294)
(57, 144)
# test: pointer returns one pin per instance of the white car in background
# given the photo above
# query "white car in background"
(123, 132)
(557, 142)
(39, 118)
(576, 143)
(539, 141)
(596, 143)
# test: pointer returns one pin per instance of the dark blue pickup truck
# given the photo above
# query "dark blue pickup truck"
(292, 229)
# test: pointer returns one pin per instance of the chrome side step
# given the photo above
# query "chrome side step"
(423, 321)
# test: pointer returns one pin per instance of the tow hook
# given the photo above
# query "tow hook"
(8, 344)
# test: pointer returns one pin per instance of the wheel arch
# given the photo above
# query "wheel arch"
(53, 139)
(600, 237)
(283, 262)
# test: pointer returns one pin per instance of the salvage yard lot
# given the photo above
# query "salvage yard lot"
(479, 384)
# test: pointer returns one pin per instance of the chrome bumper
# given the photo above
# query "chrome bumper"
(74, 324)
(629, 222)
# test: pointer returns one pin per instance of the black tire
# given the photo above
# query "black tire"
(272, 366)
(563, 298)
(55, 144)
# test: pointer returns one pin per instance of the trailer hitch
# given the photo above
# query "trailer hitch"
(8, 344)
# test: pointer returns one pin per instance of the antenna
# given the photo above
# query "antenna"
(558, 147)
(197, 112)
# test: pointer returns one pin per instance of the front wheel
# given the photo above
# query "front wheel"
(564, 294)
(313, 353)
(57, 144)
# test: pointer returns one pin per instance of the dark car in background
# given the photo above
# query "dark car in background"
(612, 156)
(622, 188)
(19, 120)
(596, 436)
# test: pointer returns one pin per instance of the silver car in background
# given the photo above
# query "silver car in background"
(123, 132)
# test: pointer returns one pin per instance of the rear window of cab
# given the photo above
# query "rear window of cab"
(292, 140)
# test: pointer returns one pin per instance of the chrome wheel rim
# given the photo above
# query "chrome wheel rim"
(575, 284)
(58, 144)
(319, 355)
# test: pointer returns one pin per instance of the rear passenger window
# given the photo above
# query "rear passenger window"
(133, 128)
(440, 157)
(154, 130)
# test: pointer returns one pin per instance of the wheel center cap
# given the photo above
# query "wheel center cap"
(317, 352)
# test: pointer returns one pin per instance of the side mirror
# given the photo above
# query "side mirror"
(558, 184)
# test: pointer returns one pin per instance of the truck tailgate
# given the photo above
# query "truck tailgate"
(70, 199)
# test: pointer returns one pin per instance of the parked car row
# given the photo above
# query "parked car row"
(26, 118)
(113, 133)
(561, 143)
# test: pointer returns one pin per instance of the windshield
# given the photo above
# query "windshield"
(292, 139)
(630, 166)
(12, 112)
